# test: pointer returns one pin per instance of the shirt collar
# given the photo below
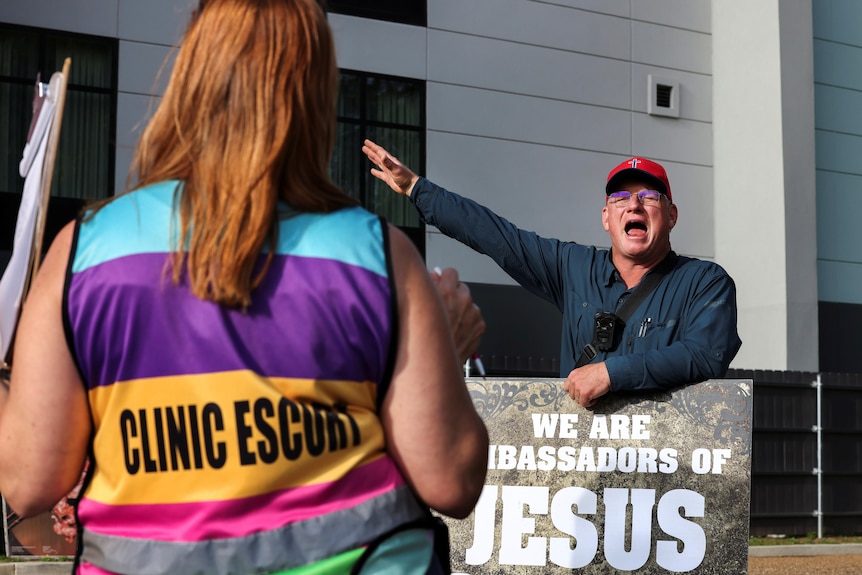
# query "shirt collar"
(612, 275)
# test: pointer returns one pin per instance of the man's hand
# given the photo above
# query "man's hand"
(588, 383)
(465, 318)
(388, 169)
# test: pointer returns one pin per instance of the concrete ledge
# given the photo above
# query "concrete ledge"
(36, 568)
(798, 550)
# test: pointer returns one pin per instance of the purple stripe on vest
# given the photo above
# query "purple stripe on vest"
(311, 318)
(240, 517)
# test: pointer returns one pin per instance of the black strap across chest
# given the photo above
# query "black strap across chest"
(631, 303)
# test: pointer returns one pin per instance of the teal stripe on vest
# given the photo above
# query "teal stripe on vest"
(126, 225)
(121, 227)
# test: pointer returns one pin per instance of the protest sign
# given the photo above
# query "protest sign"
(652, 483)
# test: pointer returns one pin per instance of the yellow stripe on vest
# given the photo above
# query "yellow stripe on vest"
(162, 438)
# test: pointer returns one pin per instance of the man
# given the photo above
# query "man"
(683, 332)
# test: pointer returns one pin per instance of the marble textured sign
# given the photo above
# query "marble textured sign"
(644, 482)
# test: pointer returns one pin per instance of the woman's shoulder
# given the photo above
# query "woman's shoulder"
(160, 194)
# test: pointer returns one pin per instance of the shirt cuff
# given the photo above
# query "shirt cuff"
(620, 372)
(418, 189)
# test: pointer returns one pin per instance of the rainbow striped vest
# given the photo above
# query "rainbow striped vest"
(231, 442)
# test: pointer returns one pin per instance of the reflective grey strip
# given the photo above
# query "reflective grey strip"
(298, 544)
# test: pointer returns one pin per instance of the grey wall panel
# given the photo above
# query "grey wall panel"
(535, 23)
(493, 114)
(671, 48)
(837, 100)
(669, 138)
(472, 266)
(144, 68)
(694, 234)
(530, 70)
(133, 112)
(154, 21)
(613, 7)
(97, 17)
(379, 47)
(553, 191)
(838, 152)
(838, 20)
(692, 15)
(837, 64)
(838, 195)
(831, 106)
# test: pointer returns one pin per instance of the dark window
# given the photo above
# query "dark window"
(390, 111)
(413, 12)
(84, 165)
(85, 157)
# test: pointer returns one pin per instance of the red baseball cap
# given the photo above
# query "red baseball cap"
(639, 169)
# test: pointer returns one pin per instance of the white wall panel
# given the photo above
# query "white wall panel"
(529, 70)
(535, 23)
(97, 17)
(154, 21)
(671, 48)
(494, 114)
(379, 47)
(692, 15)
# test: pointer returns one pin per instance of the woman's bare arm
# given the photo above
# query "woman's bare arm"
(45, 419)
(433, 431)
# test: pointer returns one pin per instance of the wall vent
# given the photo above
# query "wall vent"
(663, 99)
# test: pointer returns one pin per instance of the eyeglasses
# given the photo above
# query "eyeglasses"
(646, 197)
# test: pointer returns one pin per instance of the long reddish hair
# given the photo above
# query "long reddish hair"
(248, 118)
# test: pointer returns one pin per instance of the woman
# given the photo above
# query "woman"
(260, 371)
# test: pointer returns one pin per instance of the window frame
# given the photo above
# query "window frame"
(366, 125)
(412, 12)
(59, 207)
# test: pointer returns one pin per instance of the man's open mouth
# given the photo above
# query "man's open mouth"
(636, 226)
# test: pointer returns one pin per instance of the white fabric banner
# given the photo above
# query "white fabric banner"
(14, 278)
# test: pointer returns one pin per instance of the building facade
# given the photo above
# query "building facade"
(753, 108)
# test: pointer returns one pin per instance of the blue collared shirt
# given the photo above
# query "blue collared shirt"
(683, 332)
